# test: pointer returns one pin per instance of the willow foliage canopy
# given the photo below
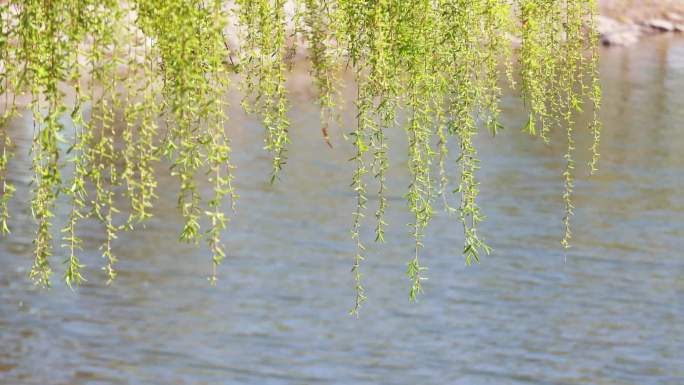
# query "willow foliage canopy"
(144, 81)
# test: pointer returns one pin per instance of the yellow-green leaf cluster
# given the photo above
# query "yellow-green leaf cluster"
(142, 82)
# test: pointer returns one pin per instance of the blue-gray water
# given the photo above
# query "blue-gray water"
(610, 312)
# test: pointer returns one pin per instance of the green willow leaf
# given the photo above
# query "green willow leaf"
(116, 88)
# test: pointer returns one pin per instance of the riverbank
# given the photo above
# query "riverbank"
(624, 22)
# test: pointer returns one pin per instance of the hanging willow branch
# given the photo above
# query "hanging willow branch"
(144, 80)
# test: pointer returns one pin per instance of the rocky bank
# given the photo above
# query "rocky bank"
(624, 22)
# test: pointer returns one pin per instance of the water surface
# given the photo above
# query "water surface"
(611, 311)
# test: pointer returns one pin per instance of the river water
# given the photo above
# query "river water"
(610, 311)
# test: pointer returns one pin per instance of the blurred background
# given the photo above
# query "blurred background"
(609, 311)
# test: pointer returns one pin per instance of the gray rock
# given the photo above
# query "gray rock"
(660, 25)
(606, 25)
(615, 33)
(621, 38)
